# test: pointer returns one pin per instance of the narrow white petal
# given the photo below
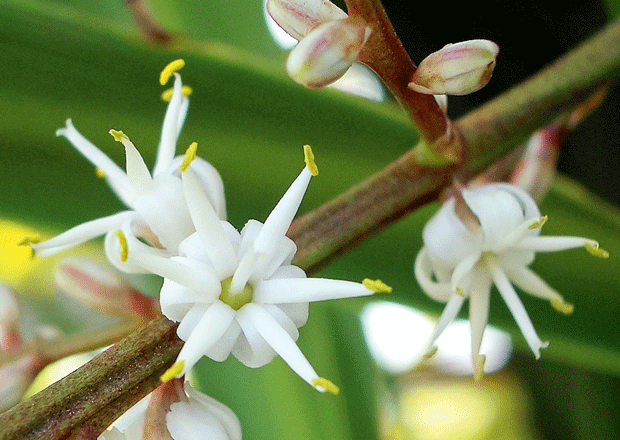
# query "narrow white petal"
(279, 340)
(81, 233)
(220, 351)
(478, 309)
(189, 273)
(295, 290)
(283, 254)
(251, 348)
(207, 333)
(516, 308)
(517, 235)
(280, 218)
(210, 179)
(209, 227)
(531, 283)
(182, 114)
(176, 300)
(137, 171)
(548, 243)
(439, 291)
(114, 251)
(283, 320)
(114, 174)
(244, 270)
(463, 269)
(170, 129)
(447, 316)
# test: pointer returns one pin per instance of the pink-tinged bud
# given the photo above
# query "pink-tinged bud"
(10, 337)
(99, 287)
(15, 378)
(299, 17)
(457, 69)
(326, 53)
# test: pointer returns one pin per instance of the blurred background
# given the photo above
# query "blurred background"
(89, 60)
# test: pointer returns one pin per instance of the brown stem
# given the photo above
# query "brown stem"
(385, 54)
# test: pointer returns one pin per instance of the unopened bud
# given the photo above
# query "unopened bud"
(457, 69)
(299, 17)
(15, 378)
(10, 337)
(99, 287)
(326, 53)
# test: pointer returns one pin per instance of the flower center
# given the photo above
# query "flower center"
(236, 300)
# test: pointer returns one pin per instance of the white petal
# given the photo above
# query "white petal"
(211, 327)
(516, 308)
(289, 271)
(284, 254)
(224, 414)
(439, 291)
(294, 290)
(175, 300)
(163, 207)
(480, 291)
(463, 269)
(170, 129)
(210, 180)
(191, 319)
(251, 348)
(531, 283)
(552, 244)
(283, 320)
(81, 233)
(137, 171)
(220, 351)
(279, 340)
(188, 421)
(447, 316)
(113, 250)
(114, 174)
(298, 312)
(280, 218)
(209, 228)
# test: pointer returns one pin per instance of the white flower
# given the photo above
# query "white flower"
(484, 236)
(176, 411)
(158, 212)
(237, 292)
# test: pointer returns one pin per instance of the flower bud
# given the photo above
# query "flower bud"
(457, 69)
(10, 337)
(102, 289)
(326, 53)
(299, 17)
(15, 378)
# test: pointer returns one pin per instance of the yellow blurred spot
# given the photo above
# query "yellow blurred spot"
(376, 286)
(118, 135)
(174, 66)
(123, 242)
(309, 159)
(167, 94)
(562, 307)
(539, 224)
(596, 251)
(173, 371)
(16, 255)
(327, 384)
(99, 173)
(190, 155)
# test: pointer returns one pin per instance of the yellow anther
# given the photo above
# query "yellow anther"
(460, 291)
(174, 66)
(376, 286)
(431, 352)
(27, 241)
(596, 251)
(562, 307)
(327, 384)
(190, 155)
(479, 367)
(173, 371)
(539, 224)
(123, 242)
(309, 159)
(167, 94)
(99, 173)
(118, 135)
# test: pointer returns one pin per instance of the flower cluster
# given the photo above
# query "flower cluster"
(232, 292)
(484, 236)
